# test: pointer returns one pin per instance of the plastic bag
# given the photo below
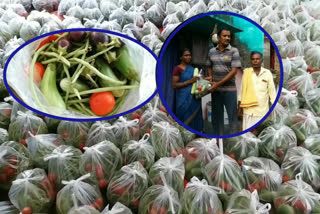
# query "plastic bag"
(91, 4)
(86, 209)
(245, 202)
(199, 197)
(172, 169)
(93, 13)
(168, 30)
(119, 15)
(199, 7)
(288, 99)
(8, 15)
(72, 22)
(312, 56)
(297, 196)
(275, 142)
(5, 31)
(27, 4)
(313, 101)
(107, 7)
(19, 148)
(198, 153)
(3, 90)
(312, 143)
(242, 147)
(300, 160)
(26, 125)
(118, 208)
(5, 114)
(140, 150)
(52, 124)
(160, 199)
(187, 136)
(33, 191)
(63, 164)
(151, 41)
(50, 27)
(30, 30)
(224, 172)
(79, 192)
(202, 86)
(125, 130)
(74, 133)
(12, 163)
(16, 107)
(156, 14)
(128, 185)
(301, 84)
(293, 48)
(149, 28)
(262, 175)
(42, 145)
(303, 123)
(65, 5)
(131, 30)
(16, 24)
(76, 11)
(101, 161)
(6, 207)
(4, 136)
(100, 131)
(173, 18)
(47, 5)
(166, 140)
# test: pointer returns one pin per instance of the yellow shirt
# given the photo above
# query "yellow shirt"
(265, 93)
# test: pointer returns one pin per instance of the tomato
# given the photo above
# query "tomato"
(99, 203)
(52, 177)
(135, 115)
(23, 142)
(136, 203)
(239, 162)
(299, 206)
(185, 182)
(102, 103)
(40, 69)
(88, 167)
(47, 40)
(285, 178)
(103, 183)
(81, 145)
(232, 156)
(163, 109)
(279, 202)
(99, 172)
(3, 178)
(26, 210)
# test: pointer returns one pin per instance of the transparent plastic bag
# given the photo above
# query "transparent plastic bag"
(293, 48)
(16, 107)
(156, 14)
(93, 13)
(101, 160)
(107, 7)
(5, 114)
(74, 133)
(242, 147)
(90, 4)
(288, 99)
(149, 28)
(297, 196)
(151, 41)
(173, 18)
(275, 142)
(140, 150)
(16, 24)
(199, 197)
(6, 207)
(224, 172)
(244, 202)
(313, 101)
(166, 140)
(76, 11)
(72, 22)
(30, 30)
(168, 30)
(303, 123)
(50, 27)
(27, 4)
(33, 191)
(125, 130)
(199, 7)
(202, 86)
(5, 31)
(8, 15)
(26, 125)
(65, 5)
(11, 164)
(300, 160)
(79, 192)
(262, 175)
(42, 145)
(160, 199)
(301, 84)
(112, 25)
(100, 131)
(118, 14)
(173, 170)
(63, 164)
(312, 56)
(118, 208)
(198, 153)
(47, 5)
(128, 185)
(312, 143)
(52, 124)
(86, 209)
(4, 136)
(187, 136)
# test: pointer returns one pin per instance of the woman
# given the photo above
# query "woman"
(188, 109)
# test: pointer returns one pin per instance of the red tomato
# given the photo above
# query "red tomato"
(3, 178)
(52, 177)
(26, 210)
(81, 145)
(285, 178)
(136, 203)
(99, 203)
(88, 167)
(279, 202)
(239, 162)
(23, 142)
(185, 182)
(99, 172)
(103, 183)
(299, 206)
(232, 156)
(47, 40)
(102, 103)
(40, 69)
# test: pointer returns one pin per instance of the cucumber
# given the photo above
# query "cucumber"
(49, 89)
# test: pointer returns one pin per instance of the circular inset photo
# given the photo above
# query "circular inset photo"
(84, 74)
(219, 74)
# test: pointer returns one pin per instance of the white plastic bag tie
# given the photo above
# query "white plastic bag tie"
(82, 178)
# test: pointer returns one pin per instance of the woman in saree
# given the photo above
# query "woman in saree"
(188, 108)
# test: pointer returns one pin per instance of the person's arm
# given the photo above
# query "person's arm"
(271, 89)
(209, 77)
(176, 84)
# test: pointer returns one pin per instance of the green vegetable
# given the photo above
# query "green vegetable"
(67, 85)
(49, 88)
(285, 209)
(125, 65)
(194, 85)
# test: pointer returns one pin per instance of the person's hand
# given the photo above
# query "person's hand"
(209, 78)
(193, 80)
(214, 86)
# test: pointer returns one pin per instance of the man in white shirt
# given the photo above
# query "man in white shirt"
(260, 96)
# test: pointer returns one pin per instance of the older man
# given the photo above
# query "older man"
(224, 64)
(256, 93)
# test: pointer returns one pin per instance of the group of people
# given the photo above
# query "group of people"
(251, 103)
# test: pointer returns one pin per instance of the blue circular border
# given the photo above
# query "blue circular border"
(159, 77)
(70, 30)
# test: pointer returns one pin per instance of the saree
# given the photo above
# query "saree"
(188, 108)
